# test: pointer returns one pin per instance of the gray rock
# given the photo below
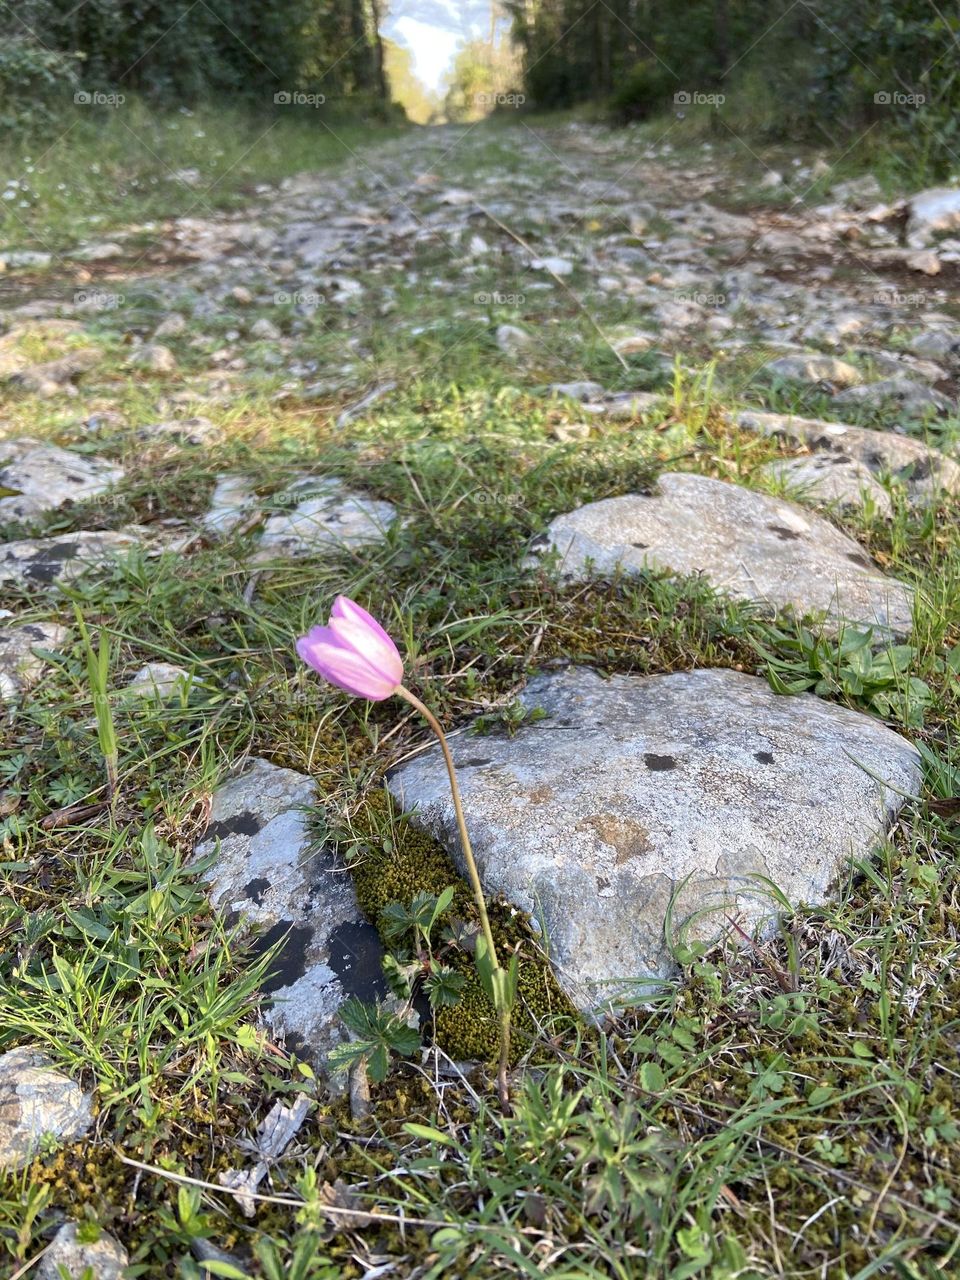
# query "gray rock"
(233, 499)
(265, 330)
(747, 545)
(553, 266)
(193, 431)
(840, 482)
(924, 472)
(41, 561)
(915, 399)
(269, 872)
(103, 1259)
(47, 477)
(53, 376)
(158, 680)
(812, 370)
(936, 344)
(637, 790)
(322, 515)
(154, 357)
(20, 665)
(36, 1100)
(577, 390)
(513, 341)
(931, 213)
(171, 326)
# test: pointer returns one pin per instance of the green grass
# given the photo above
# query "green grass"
(104, 168)
(789, 1109)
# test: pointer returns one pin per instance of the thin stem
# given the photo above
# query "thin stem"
(503, 1084)
(472, 871)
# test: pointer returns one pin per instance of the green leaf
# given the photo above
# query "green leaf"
(86, 924)
(429, 1134)
(652, 1078)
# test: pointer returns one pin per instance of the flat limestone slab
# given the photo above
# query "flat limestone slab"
(635, 789)
(323, 515)
(48, 477)
(746, 544)
(924, 472)
(267, 875)
(831, 479)
(42, 561)
(37, 1101)
(20, 664)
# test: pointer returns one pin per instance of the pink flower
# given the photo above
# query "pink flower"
(353, 652)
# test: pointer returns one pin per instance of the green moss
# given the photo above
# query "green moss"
(412, 861)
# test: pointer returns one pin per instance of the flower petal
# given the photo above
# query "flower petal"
(353, 626)
(343, 667)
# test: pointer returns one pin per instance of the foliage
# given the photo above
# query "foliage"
(851, 666)
(646, 90)
(842, 66)
(182, 51)
(378, 1034)
(35, 82)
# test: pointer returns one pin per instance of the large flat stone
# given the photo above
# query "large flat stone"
(902, 395)
(41, 561)
(747, 545)
(20, 664)
(269, 873)
(932, 212)
(636, 789)
(48, 477)
(812, 370)
(828, 478)
(68, 1255)
(323, 515)
(36, 1102)
(924, 472)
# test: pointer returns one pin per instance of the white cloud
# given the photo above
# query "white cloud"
(432, 48)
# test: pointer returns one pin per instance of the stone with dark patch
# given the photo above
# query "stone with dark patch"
(576, 828)
(293, 895)
(44, 561)
(746, 544)
(21, 660)
(924, 473)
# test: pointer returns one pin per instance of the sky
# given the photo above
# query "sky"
(432, 30)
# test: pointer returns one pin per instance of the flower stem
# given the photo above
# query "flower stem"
(474, 876)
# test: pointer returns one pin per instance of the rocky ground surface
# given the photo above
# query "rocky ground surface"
(601, 274)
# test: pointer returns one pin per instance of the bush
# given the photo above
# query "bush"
(647, 90)
(36, 84)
